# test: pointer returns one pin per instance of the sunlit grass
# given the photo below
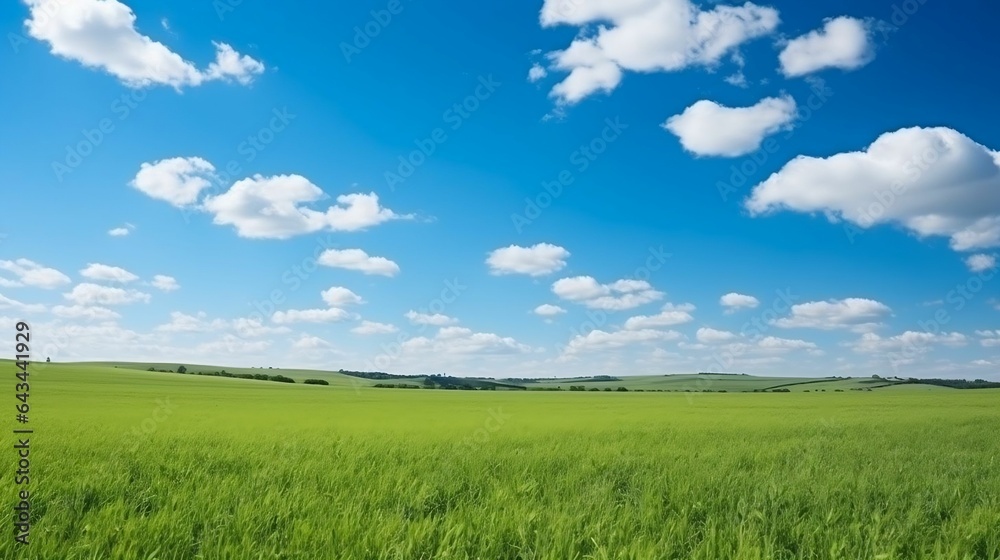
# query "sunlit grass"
(138, 465)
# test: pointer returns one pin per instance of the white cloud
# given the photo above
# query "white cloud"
(709, 129)
(645, 36)
(600, 340)
(989, 338)
(549, 310)
(733, 302)
(102, 34)
(617, 296)
(231, 65)
(94, 294)
(909, 342)
(30, 273)
(539, 260)
(537, 72)
(165, 283)
(857, 314)
(844, 43)
(463, 341)
(331, 315)
(932, 181)
(7, 303)
(356, 259)
(981, 262)
(706, 335)
(121, 231)
(253, 327)
(309, 342)
(231, 344)
(671, 315)
(435, 320)
(103, 272)
(339, 297)
(178, 180)
(359, 211)
(184, 323)
(275, 208)
(92, 313)
(784, 344)
(371, 328)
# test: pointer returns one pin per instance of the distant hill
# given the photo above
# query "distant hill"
(693, 383)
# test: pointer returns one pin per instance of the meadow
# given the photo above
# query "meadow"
(131, 464)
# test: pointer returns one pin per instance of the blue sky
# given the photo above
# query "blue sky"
(786, 188)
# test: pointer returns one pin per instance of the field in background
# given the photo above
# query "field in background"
(143, 465)
(679, 383)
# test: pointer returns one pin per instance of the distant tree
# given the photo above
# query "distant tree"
(48, 360)
(316, 382)
(428, 381)
(182, 369)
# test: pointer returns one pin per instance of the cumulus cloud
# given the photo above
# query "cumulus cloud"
(733, 302)
(232, 344)
(709, 129)
(103, 272)
(843, 42)
(463, 341)
(371, 328)
(88, 294)
(783, 344)
(102, 34)
(435, 320)
(549, 310)
(909, 342)
(645, 36)
(669, 316)
(259, 207)
(538, 260)
(330, 315)
(8, 303)
(30, 273)
(121, 231)
(178, 180)
(184, 323)
(706, 335)
(597, 340)
(931, 181)
(92, 313)
(339, 297)
(309, 342)
(617, 296)
(981, 262)
(989, 338)
(275, 208)
(358, 260)
(536, 72)
(857, 314)
(165, 283)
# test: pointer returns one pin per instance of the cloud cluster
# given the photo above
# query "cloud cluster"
(857, 314)
(538, 260)
(259, 207)
(102, 34)
(645, 36)
(617, 296)
(931, 181)
(32, 274)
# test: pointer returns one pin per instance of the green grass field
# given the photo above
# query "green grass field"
(129, 464)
